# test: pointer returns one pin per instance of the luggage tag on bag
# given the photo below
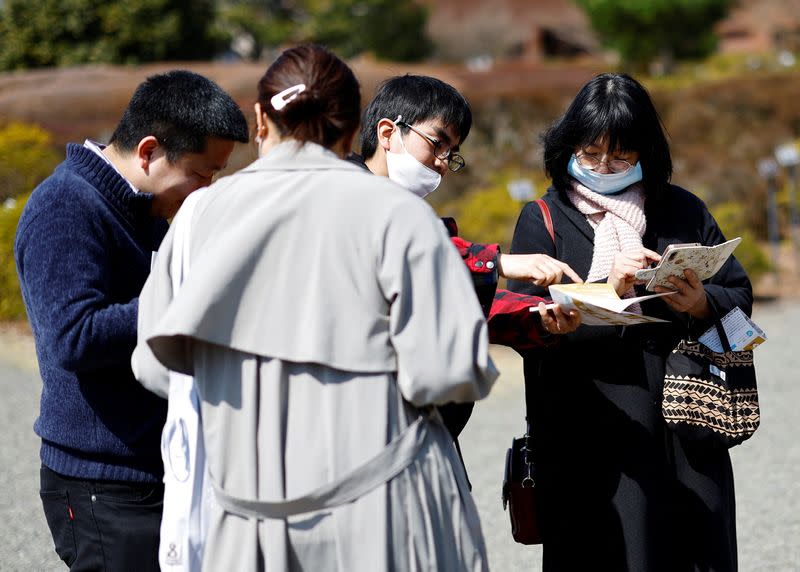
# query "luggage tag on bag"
(716, 371)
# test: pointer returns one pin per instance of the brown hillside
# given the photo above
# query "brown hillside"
(87, 101)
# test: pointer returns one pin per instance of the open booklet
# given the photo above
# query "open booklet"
(599, 304)
(704, 260)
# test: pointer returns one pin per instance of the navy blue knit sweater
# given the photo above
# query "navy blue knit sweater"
(83, 251)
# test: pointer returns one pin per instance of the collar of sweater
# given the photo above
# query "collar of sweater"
(109, 183)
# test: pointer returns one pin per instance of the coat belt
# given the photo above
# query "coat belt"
(381, 468)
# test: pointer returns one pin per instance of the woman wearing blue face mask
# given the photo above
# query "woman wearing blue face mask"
(619, 490)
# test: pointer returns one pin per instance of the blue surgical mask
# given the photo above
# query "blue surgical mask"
(604, 184)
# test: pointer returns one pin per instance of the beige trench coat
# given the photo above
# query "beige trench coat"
(324, 310)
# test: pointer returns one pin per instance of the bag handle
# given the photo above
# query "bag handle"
(717, 318)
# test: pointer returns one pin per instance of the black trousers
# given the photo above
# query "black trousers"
(103, 525)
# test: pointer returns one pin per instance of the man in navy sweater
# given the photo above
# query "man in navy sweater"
(83, 250)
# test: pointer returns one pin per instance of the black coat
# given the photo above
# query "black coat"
(619, 490)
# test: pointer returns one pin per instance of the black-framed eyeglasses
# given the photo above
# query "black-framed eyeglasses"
(441, 150)
(592, 161)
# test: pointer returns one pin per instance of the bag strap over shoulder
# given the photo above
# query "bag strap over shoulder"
(548, 223)
(548, 219)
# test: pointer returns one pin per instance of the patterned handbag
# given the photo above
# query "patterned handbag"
(711, 396)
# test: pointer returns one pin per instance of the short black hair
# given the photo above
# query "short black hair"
(182, 110)
(618, 106)
(417, 98)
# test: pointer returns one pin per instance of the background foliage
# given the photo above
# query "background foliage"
(386, 28)
(40, 33)
(723, 113)
(11, 306)
(26, 157)
(643, 30)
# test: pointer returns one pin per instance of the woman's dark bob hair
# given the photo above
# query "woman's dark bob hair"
(329, 108)
(619, 107)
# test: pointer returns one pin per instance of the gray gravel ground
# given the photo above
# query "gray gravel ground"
(26, 542)
(767, 467)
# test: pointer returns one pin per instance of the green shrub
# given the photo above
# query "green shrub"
(11, 306)
(731, 218)
(26, 158)
(488, 215)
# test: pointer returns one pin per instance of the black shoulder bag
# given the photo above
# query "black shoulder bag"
(519, 483)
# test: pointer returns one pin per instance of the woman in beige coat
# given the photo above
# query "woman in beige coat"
(323, 313)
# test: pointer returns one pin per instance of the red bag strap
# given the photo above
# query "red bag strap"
(548, 220)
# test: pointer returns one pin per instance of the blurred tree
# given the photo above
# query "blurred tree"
(644, 31)
(40, 33)
(253, 25)
(387, 28)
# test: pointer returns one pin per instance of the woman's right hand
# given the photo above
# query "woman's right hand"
(623, 273)
(540, 269)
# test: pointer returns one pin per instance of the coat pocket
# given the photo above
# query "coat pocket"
(59, 515)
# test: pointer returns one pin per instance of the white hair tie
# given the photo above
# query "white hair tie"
(280, 100)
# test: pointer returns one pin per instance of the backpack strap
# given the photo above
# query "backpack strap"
(548, 220)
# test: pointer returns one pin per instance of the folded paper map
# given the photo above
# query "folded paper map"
(704, 260)
(743, 334)
(599, 304)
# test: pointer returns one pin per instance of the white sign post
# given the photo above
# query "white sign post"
(522, 190)
(768, 169)
(788, 157)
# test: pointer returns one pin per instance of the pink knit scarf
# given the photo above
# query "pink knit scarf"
(618, 221)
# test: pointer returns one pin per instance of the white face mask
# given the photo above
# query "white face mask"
(604, 184)
(408, 172)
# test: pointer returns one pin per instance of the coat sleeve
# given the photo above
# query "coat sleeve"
(482, 263)
(154, 299)
(436, 325)
(513, 324)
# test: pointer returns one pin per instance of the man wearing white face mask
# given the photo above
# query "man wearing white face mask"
(411, 132)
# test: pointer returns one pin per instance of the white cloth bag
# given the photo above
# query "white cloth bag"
(187, 490)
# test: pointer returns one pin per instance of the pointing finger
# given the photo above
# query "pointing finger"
(569, 272)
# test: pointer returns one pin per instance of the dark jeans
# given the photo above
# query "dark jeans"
(103, 525)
